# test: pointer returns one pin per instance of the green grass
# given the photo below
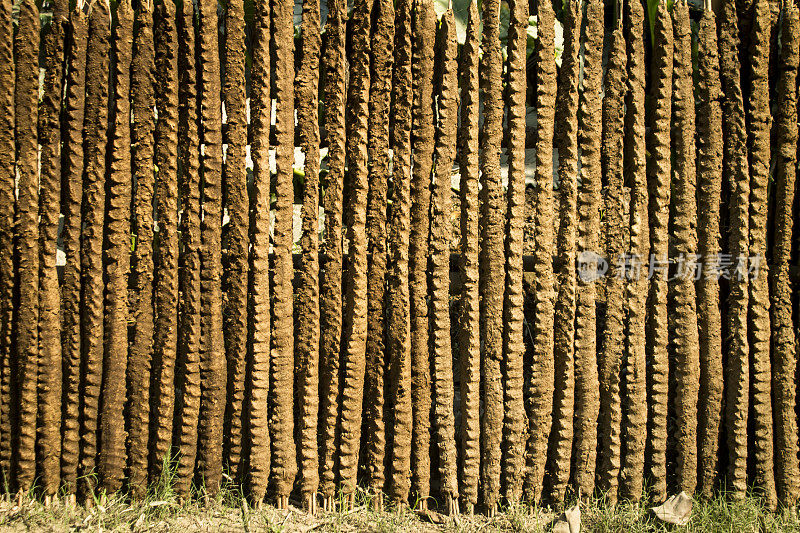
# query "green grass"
(162, 510)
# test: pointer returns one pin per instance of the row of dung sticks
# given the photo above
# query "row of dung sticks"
(155, 352)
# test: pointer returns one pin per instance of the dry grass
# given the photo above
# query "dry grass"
(163, 511)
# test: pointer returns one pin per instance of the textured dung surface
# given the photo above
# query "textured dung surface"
(26, 48)
(307, 357)
(683, 229)
(759, 120)
(492, 269)
(95, 123)
(140, 353)
(284, 462)
(7, 208)
(469, 321)
(589, 133)
(72, 179)
(514, 419)
(257, 388)
(613, 335)
(787, 474)
(422, 139)
(735, 169)
(335, 65)
(398, 317)
(111, 465)
(659, 175)
(525, 452)
(634, 394)
(165, 339)
(355, 277)
(50, 384)
(566, 140)
(236, 267)
(188, 362)
(446, 87)
(709, 186)
(378, 155)
(213, 370)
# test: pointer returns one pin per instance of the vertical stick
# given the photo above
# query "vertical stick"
(758, 117)
(335, 64)
(257, 389)
(613, 335)
(49, 212)
(566, 140)
(470, 358)
(586, 389)
(441, 235)
(492, 275)
(284, 465)
(734, 167)
(93, 207)
(165, 339)
(634, 421)
(659, 176)
(355, 282)
(236, 267)
(787, 471)
(72, 192)
(26, 97)
(422, 140)
(7, 214)
(683, 228)
(378, 148)
(542, 383)
(189, 334)
(117, 261)
(398, 317)
(213, 369)
(141, 349)
(308, 287)
(709, 322)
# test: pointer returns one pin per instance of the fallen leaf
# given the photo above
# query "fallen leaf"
(569, 521)
(676, 510)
